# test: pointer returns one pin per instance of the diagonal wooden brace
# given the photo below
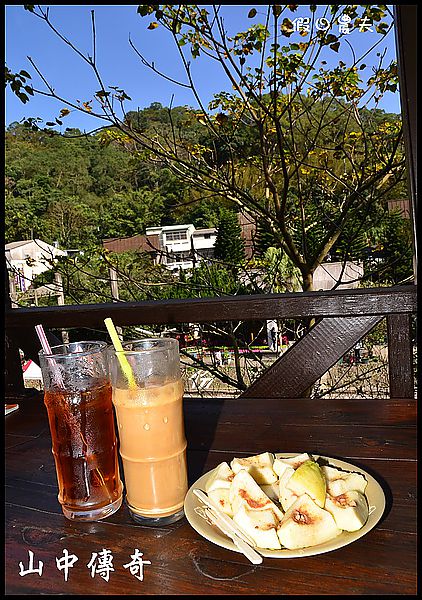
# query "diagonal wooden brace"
(310, 357)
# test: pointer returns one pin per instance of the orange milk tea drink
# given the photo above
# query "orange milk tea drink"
(149, 412)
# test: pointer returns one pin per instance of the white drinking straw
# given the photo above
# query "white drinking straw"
(47, 350)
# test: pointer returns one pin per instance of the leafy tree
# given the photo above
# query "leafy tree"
(128, 214)
(394, 241)
(20, 221)
(18, 83)
(276, 273)
(293, 142)
(264, 239)
(76, 191)
(86, 278)
(202, 213)
(71, 223)
(229, 245)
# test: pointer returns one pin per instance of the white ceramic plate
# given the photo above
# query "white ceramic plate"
(373, 492)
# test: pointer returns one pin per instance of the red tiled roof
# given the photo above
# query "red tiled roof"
(144, 243)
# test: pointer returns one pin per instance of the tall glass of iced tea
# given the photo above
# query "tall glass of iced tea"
(77, 394)
(149, 413)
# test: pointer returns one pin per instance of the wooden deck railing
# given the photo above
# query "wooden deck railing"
(342, 318)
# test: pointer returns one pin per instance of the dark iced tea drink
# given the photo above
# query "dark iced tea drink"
(84, 443)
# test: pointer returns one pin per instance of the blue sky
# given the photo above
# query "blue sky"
(118, 63)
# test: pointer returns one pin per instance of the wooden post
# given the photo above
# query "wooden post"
(406, 20)
(400, 356)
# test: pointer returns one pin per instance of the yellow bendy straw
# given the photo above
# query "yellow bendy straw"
(124, 363)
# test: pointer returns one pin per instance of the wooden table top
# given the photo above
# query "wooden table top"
(376, 435)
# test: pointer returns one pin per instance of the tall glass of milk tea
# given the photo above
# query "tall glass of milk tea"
(149, 413)
(77, 395)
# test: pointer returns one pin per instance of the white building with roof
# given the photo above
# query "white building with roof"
(28, 258)
(183, 246)
(328, 274)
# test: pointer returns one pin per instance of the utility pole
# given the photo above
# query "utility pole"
(193, 251)
(60, 301)
(13, 376)
(12, 289)
(114, 285)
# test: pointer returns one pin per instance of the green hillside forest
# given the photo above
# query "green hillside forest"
(77, 189)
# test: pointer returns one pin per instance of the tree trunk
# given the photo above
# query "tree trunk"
(236, 356)
(307, 282)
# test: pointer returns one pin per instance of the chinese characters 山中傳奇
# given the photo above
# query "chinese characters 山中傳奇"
(101, 564)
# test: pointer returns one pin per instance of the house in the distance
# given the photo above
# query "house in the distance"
(328, 274)
(175, 246)
(248, 232)
(140, 243)
(402, 205)
(28, 258)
